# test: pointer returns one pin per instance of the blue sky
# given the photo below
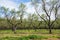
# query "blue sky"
(13, 4)
(19, 1)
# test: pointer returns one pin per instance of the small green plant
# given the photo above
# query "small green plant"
(29, 37)
(58, 37)
(24, 38)
(36, 37)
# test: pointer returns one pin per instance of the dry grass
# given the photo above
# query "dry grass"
(21, 33)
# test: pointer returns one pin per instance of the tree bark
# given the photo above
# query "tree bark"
(49, 24)
(50, 31)
(14, 29)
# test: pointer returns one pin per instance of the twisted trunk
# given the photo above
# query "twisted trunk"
(14, 29)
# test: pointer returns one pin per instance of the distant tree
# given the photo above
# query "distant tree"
(21, 12)
(30, 19)
(33, 21)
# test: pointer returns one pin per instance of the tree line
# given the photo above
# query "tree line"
(14, 19)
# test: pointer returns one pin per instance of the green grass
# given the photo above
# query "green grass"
(29, 37)
(38, 31)
(39, 34)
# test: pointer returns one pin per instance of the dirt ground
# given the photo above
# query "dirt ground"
(53, 39)
(46, 39)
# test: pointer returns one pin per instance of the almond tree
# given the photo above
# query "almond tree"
(48, 7)
(21, 12)
(12, 15)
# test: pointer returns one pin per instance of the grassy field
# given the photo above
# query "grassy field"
(38, 31)
(41, 34)
(29, 36)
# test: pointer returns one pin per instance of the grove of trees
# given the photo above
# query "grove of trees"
(14, 19)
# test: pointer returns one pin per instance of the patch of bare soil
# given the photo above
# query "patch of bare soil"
(53, 39)
(46, 39)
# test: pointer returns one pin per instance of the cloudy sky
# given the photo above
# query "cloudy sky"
(13, 4)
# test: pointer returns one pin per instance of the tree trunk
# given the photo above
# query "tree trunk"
(50, 31)
(14, 29)
(49, 24)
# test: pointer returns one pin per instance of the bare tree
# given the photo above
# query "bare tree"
(11, 16)
(33, 20)
(21, 12)
(48, 7)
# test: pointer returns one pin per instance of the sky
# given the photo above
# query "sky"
(14, 4)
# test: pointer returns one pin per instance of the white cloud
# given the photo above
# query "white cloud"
(29, 9)
(12, 5)
(8, 4)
